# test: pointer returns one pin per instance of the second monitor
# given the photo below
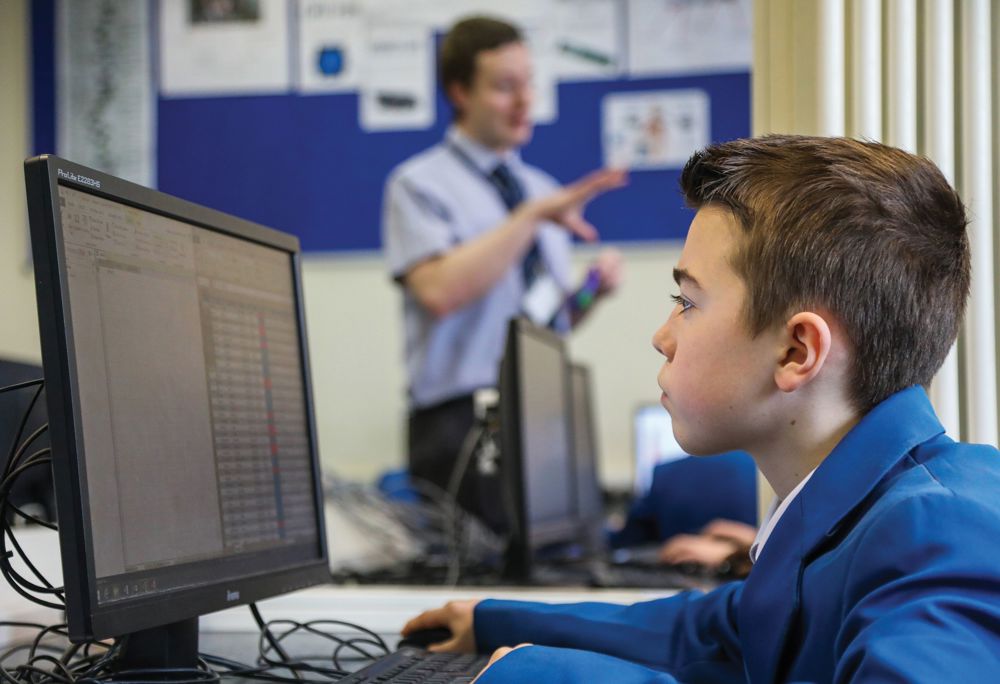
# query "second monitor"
(536, 445)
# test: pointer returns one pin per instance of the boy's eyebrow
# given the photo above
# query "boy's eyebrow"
(682, 275)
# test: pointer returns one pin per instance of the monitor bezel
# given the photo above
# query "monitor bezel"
(525, 538)
(86, 618)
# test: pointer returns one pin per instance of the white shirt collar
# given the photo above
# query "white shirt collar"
(774, 513)
(485, 159)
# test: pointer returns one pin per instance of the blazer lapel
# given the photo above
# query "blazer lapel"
(772, 594)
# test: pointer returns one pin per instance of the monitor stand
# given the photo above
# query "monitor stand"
(166, 647)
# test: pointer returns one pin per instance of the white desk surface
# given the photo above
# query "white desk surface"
(382, 609)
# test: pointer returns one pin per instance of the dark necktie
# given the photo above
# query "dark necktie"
(512, 194)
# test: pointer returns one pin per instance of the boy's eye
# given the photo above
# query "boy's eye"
(685, 303)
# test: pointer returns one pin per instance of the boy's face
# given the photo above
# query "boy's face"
(496, 107)
(716, 379)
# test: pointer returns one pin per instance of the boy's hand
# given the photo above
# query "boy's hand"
(497, 655)
(457, 616)
(565, 205)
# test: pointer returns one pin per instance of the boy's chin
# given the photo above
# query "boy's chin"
(693, 446)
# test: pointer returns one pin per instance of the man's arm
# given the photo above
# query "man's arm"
(465, 273)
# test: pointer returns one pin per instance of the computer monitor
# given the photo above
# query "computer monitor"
(590, 506)
(653, 442)
(536, 444)
(178, 396)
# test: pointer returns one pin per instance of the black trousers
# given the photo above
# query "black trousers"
(435, 439)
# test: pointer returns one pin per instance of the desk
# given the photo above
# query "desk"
(233, 633)
(42, 547)
(383, 609)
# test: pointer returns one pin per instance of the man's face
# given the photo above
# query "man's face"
(496, 107)
(716, 379)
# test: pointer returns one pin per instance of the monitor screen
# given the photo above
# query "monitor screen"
(536, 439)
(179, 404)
(588, 487)
(654, 443)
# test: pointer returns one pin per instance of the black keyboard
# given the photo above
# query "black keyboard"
(652, 577)
(417, 666)
(605, 575)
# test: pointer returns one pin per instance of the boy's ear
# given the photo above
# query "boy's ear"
(806, 345)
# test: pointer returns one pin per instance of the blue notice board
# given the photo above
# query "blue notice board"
(302, 164)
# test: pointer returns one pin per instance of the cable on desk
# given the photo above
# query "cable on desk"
(446, 534)
(24, 419)
(22, 385)
(355, 644)
(469, 447)
(18, 462)
(47, 663)
(50, 664)
(273, 635)
(22, 585)
(232, 668)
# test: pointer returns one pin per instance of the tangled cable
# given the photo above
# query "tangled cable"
(49, 659)
(37, 589)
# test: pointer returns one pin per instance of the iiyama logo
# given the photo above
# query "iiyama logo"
(69, 175)
(232, 595)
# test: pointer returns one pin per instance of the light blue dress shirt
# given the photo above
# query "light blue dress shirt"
(433, 202)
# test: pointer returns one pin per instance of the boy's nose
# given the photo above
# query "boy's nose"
(663, 341)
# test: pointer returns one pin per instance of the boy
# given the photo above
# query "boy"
(821, 285)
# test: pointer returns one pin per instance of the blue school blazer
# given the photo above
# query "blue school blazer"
(885, 567)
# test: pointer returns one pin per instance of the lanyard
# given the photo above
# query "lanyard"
(467, 160)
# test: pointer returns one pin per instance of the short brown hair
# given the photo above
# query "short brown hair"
(870, 233)
(465, 40)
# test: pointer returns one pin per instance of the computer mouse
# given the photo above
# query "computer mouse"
(422, 638)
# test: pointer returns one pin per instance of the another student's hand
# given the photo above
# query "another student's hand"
(710, 552)
(497, 655)
(737, 532)
(565, 205)
(456, 616)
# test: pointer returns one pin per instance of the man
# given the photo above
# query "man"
(476, 236)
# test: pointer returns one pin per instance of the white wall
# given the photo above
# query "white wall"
(355, 334)
(354, 315)
(18, 318)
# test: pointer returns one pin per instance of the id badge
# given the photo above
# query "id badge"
(543, 300)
